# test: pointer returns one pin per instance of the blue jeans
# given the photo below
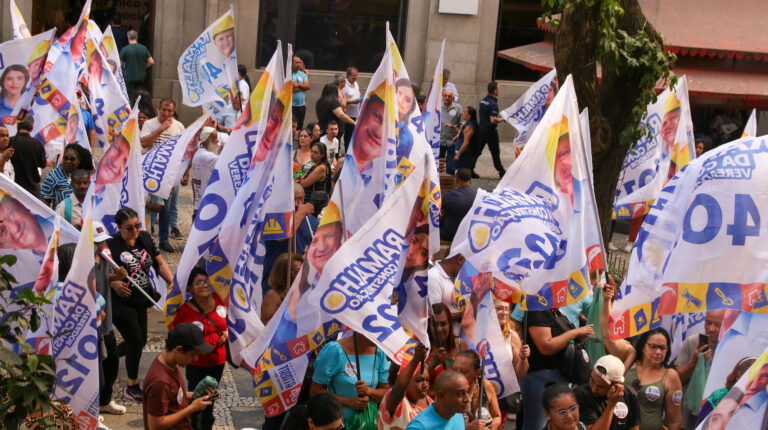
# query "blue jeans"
(533, 386)
(166, 215)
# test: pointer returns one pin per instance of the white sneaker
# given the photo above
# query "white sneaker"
(612, 247)
(101, 426)
(628, 247)
(112, 408)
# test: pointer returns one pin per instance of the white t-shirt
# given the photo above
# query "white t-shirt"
(153, 124)
(245, 90)
(332, 148)
(203, 163)
(352, 92)
(440, 290)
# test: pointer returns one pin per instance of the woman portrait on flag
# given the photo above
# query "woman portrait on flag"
(553, 87)
(13, 82)
(406, 104)
(19, 227)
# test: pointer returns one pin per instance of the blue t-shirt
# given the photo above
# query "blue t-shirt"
(87, 120)
(336, 370)
(429, 419)
(298, 96)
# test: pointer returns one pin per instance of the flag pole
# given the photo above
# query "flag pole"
(141, 290)
(481, 387)
(344, 238)
(592, 188)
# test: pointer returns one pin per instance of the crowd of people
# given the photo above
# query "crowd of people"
(351, 381)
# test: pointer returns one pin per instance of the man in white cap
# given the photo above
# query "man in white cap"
(604, 402)
(203, 163)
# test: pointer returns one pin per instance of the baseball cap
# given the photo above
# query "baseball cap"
(100, 233)
(189, 335)
(610, 368)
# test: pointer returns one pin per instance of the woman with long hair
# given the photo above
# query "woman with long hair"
(279, 283)
(445, 345)
(317, 180)
(13, 82)
(57, 185)
(328, 108)
(302, 157)
(467, 140)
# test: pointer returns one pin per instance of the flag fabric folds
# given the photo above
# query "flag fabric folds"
(163, 165)
(751, 128)
(528, 110)
(117, 182)
(228, 176)
(534, 231)
(654, 159)
(433, 106)
(76, 350)
(20, 29)
(708, 215)
(208, 67)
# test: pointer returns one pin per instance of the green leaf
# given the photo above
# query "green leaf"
(32, 362)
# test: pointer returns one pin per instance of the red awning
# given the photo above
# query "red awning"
(750, 87)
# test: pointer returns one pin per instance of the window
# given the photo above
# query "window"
(330, 34)
(517, 27)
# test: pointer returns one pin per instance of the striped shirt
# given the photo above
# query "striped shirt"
(56, 186)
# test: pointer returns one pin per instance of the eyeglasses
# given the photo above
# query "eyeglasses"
(573, 409)
(202, 283)
(129, 228)
(68, 158)
(502, 309)
(660, 348)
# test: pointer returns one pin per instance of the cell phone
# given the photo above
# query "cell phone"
(703, 340)
(214, 396)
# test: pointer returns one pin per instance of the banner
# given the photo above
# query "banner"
(433, 107)
(227, 177)
(751, 128)
(21, 65)
(109, 51)
(165, 164)
(680, 327)
(208, 67)
(742, 335)
(109, 104)
(533, 232)
(268, 187)
(699, 248)
(653, 160)
(117, 182)
(527, 111)
(28, 228)
(745, 405)
(480, 328)
(76, 347)
(20, 29)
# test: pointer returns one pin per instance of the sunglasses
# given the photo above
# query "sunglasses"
(68, 158)
(573, 409)
(130, 228)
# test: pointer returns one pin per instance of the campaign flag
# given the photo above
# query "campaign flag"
(681, 327)
(227, 177)
(742, 335)
(164, 164)
(20, 29)
(654, 159)
(22, 62)
(108, 48)
(533, 232)
(208, 67)
(480, 327)
(117, 182)
(357, 282)
(109, 104)
(28, 228)
(746, 404)
(55, 107)
(267, 188)
(751, 128)
(378, 161)
(414, 134)
(595, 247)
(433, 106)
(76, 345)
(528, 110)
(699, 248)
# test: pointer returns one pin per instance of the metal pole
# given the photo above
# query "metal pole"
(141, 290)
(357, 355)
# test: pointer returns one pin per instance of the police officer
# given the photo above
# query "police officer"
(488, 119)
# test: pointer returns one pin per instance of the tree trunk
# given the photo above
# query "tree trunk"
(610, 100)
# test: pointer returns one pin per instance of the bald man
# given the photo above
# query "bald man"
(689, 355)
(447, 411)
